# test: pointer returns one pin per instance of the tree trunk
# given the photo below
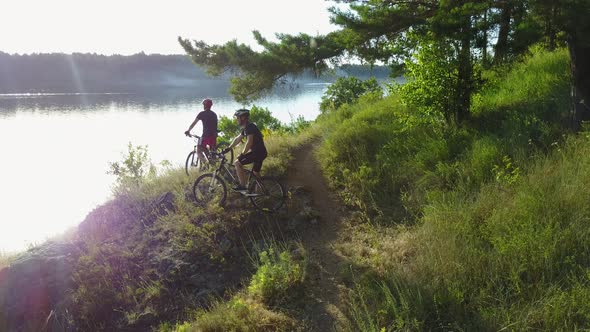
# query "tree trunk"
(465, 79)
(580, 71)
(550, 29)
(501, 49)
(484, 50)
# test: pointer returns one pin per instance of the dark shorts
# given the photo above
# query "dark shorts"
(210, 141)
(253, 158)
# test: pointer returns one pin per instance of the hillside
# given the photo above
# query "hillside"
(417, 226)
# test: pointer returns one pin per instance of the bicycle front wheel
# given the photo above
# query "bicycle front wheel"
(193, 163)
(267, 194)
(209, 188)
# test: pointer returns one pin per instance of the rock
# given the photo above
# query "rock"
(297, 190)
(225, 245)
(205, 293)
(165, 203)
(145, 318)
(298, 254)
(198, 280)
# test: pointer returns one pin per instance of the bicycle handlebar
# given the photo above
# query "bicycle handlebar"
(197, 136)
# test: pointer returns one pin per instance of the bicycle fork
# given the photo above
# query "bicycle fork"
(213, 181)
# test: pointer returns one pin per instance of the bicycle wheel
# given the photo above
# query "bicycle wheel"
(210, 189)
(192, 163)
(267, 194)
(222, 146)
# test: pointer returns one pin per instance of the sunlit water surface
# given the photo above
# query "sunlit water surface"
(55, 149)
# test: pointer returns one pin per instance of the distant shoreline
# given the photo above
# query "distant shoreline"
(93, 73)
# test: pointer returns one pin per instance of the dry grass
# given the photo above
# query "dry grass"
(377, 247)
(6, 259)
(280, 148)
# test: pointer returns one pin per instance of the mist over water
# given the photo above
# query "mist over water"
(56, 148)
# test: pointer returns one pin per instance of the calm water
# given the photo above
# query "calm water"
(55, 148)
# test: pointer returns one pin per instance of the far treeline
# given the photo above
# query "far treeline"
(83, 72)
(445, 46)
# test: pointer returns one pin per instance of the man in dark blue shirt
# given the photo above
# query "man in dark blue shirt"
(254, 151)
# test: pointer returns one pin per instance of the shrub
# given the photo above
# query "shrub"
(277, 273)
(239, 314)
(133, 169)
(433, 82)
(347, 90)
(262, 117)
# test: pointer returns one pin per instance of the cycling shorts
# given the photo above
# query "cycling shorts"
(253, 158)
(210, 141)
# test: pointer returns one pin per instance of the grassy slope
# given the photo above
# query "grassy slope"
(151, 255)
(470, 229)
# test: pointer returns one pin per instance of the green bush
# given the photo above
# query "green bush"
(277, 273)
(239, 314)
(133, 170)
(347, 90)
(262, 117)
(433, 81)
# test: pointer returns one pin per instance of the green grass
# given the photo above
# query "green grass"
(478, 228)
(515, 255)
(389, 160)
(281, 146)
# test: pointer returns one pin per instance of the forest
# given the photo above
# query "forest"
(95, 73)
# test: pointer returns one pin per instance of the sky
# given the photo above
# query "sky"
(132, 26)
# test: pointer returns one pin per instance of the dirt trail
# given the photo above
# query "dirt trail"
(325, 291)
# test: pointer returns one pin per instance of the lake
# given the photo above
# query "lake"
(55, 148)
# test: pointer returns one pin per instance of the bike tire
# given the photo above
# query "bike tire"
(222, 146)
(203, 191)
(273, 194)
(189, 164)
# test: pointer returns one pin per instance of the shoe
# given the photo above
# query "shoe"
(240, 189)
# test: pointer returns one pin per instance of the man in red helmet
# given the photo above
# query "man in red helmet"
(209, 137)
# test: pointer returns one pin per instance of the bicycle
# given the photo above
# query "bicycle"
(194, 162)
(265, 192)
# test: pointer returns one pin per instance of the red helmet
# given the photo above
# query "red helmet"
(207, 103)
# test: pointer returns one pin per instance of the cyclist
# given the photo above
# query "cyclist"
(209, 137)
(254, 151)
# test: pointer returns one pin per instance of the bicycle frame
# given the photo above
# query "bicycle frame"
(223, 169)
(197, 141)
(206, 149)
